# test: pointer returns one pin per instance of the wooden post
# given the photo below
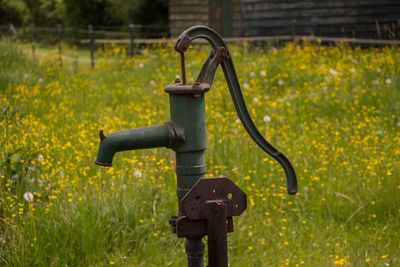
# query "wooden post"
(75, 63)
(132, 37)
(33, 42)
(76, 40)
(59, 38)
(10, 33)
(91, 38)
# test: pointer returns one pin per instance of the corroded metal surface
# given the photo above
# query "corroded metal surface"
(218, 188)
(208, 208)
(191, 88)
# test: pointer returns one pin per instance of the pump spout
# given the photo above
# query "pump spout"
(164, 135)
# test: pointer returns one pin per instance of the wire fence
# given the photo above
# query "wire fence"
(92, 35)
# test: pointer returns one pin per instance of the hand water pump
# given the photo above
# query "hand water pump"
(206, 205)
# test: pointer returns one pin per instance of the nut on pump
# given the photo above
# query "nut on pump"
(205, 206)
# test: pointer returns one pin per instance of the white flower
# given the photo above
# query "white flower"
(151, 82)
(333, 72)
(378, 70)
(246, 85)
(388, 81)
(252, 74)
(263, 73)
(267, 119)
(40, 158)
(352, 70)
(375, 82)
(398, 124)
(141, 65)
(238, 121)
(280, 82)
(28, 196)
(255, 99)
(40, 80)
(137, 174)
(177, 76)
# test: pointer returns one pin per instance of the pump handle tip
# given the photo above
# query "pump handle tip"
(292, 191)
(104, 164)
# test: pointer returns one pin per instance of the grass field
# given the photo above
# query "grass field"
(334, 111)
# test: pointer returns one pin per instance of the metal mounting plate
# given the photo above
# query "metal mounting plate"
(217, 188)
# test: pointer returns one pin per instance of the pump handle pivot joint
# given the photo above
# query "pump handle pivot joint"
(220, 56)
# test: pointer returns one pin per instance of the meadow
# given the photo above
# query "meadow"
(334, 111)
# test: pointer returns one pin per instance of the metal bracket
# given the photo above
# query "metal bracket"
(208, 208)
(210, 66)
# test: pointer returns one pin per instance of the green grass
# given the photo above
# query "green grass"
(335, 112)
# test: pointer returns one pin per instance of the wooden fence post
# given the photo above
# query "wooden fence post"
(91, 38)
(76, 40)
(75, 63)
(132, 37)
(59, 38)
(33, 42)
(10, 33)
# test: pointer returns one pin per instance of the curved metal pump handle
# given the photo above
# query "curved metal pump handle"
(226, 62)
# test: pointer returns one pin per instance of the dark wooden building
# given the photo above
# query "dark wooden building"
(339, 18)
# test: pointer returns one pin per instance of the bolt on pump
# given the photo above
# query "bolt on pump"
(205, 206)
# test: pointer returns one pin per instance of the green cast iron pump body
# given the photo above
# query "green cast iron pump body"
(185, 133)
